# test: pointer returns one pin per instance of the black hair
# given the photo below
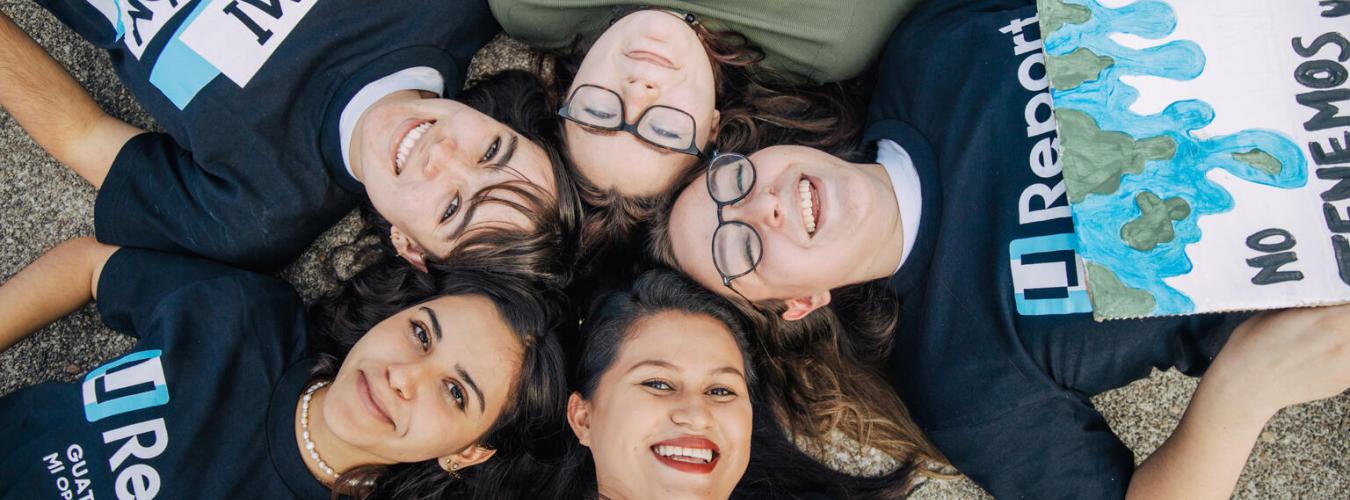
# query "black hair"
(531, 308)
(777, 468)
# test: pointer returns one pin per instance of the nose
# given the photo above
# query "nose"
(638, 94)
(403, 379)
(761, 209)
(442, 154)
(692, 413)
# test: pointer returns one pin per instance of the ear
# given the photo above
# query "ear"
(713, 127)
(473, 455)
(799, 307)
(409, 250)
(579, 417)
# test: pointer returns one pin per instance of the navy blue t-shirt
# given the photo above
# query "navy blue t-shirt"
(202, 407)
(996, 352)
(249, 170)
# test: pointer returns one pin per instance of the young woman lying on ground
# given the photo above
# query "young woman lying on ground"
(266, 148)
(936, 214)
(405, 384)
(667, 405)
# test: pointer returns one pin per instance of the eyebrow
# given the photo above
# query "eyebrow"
(435, 323)
(468, 379)
(665, 364)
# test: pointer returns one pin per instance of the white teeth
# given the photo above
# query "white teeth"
(804, 189)
(682, 454)
(405, 146)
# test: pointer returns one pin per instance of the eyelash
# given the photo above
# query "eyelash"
(654, 383)
(492, 150)
(419, 333)
(451, 388)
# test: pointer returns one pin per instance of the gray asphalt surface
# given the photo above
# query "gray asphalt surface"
(1304, 451)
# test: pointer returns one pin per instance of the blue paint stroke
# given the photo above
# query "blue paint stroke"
(1098, 218)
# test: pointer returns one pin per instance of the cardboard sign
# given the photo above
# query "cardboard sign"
(1205, 149)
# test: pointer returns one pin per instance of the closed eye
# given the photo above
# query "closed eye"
(603, 115)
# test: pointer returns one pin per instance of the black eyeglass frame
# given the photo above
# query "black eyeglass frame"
(625, 126)
(723, 222)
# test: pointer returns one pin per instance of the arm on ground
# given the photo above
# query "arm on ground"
(1271, 361)
(56, 284)
(54, 109)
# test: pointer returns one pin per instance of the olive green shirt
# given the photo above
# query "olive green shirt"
(822, 40)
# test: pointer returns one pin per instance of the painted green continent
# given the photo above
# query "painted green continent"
(1081, 65)
(1262, 160)
(1113, 299)
(1056, 13)
(1094, 160)
(1154, 225)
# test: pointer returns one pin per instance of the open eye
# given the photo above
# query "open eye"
(657, 384)
(491, 151)
(455, 392)
(451, 209)
(419, 332)
(721, 393)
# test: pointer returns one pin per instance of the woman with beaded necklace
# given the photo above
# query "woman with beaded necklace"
(403, 384)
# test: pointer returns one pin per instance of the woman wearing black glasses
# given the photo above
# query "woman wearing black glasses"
(958, 210)
(647, 93)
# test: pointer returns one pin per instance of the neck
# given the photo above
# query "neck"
(338, 454)
(889, 254)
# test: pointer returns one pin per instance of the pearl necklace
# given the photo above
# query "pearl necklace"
(304, 428)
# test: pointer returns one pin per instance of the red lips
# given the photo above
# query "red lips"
(686, 454)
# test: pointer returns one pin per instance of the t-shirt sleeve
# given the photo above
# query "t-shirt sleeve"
(1057, 447)
(142, 292)
(156, 196)
(96, 21)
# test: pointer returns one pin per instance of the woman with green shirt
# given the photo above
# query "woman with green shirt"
(649, 91)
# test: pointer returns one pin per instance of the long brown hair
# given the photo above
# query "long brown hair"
(759, 107)
(825, 373)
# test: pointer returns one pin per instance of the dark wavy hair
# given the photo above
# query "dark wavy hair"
(531, 308)
(547, 251)
(759, 107)
(777, 469)
(826, 371)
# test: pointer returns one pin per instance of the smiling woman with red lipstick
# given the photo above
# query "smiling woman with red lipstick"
(663, 408)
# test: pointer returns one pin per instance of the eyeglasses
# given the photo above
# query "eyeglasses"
(660, 125)
(736, 246)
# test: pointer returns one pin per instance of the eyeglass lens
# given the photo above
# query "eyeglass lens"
(736, 245)
(660, 125)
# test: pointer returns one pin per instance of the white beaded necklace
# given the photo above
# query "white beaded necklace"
(304, 428)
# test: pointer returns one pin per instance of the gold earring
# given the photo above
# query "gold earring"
(452, 468)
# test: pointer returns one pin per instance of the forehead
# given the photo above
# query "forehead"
(477, 338)
(693, 218)
(621, 162)
(694, 343)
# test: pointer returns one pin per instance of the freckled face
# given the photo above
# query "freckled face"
(812, 241)
(671, 418)
(649, 58)
(423, 160)
(425, 382)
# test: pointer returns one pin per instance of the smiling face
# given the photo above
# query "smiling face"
(426, 382)
(823, 222)
(649, 57)
(671, 417)
(423, 160)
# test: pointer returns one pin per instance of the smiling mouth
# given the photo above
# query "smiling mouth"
(651, 57)
(368, 399)
(690, 454)
(406, 144)
(810, 205)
